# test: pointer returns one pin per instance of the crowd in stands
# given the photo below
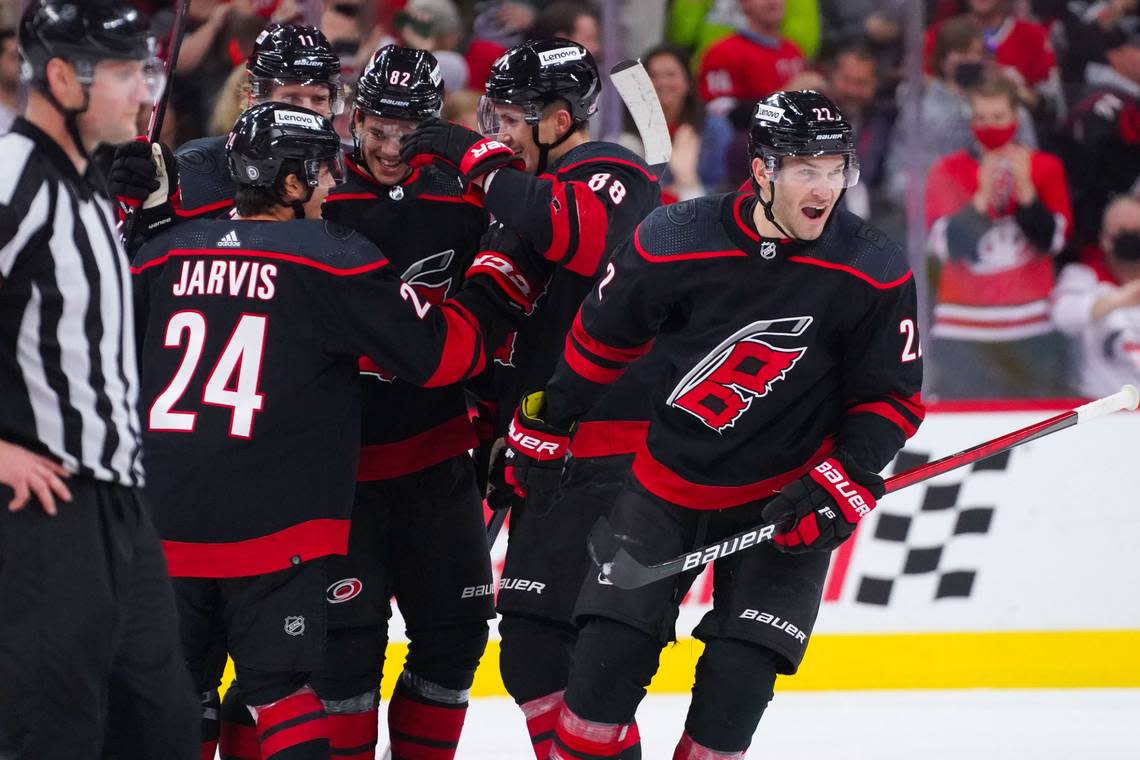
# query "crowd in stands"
(998, 139)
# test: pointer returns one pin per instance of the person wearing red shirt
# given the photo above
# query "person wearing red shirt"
(996, 216)
(754, 62)
(1021, 47)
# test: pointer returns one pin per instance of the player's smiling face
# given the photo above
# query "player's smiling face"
(380, 146)
(806, 192)
(514, 132)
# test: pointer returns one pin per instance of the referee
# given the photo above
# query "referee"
(90, 665)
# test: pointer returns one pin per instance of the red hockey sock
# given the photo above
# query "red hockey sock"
(688, 749)
(294, 728)
(209, 749)
(578, 739)
(421, 728)
(352, 726)
(238, 740)
(541, 719)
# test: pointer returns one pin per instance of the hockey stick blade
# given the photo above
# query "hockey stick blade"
(626, 572)
(632, 82)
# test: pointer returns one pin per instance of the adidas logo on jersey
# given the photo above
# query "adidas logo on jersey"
(230, 240)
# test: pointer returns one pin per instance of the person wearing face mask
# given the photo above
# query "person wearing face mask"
(1097, 303)
(938, 123)
(996, 216)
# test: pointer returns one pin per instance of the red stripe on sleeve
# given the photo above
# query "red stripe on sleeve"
(587, 368)
(461, 355)
(593, 224)
(559, 224)
(887, 412)
(603, 350)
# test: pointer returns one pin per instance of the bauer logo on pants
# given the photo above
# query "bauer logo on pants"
(295, 626)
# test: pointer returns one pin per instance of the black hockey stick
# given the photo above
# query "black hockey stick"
(620, 568)
(494, 525)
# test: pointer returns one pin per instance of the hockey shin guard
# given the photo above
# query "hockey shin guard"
(293, 728)
(352, 725)
(687, 749)
(579, 739)
(209, 729)
(541, 720)
(425, 719)
(238, 740)
(725, 707)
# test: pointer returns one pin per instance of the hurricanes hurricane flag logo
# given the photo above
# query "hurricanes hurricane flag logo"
(722, 386)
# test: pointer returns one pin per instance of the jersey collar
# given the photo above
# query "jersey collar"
(87, 185)
(738, 222)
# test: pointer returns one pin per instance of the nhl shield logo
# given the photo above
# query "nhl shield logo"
(295, 626)
(768, 250)
(396, 193)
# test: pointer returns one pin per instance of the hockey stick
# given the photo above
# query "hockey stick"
(494, 525)
(632, 82)
(626, 572)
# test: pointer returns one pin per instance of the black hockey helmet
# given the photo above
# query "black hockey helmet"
(293, 54)
(799, 123)
(83, 32)
(271, 140)
(535, 74)
(401, 83)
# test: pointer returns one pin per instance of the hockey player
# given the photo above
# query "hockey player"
(572, 201)
(788, 331)
(417, 525)
(289, 64)
(250, 335)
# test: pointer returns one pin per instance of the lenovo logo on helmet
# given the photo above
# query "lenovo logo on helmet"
(296, 119)
(560, 55)
(769, 113)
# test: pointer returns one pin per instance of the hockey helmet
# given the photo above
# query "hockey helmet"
(538, 73)
(272, 139)
(801, 123)
(84, 32)
(401, 83)
(292, 54)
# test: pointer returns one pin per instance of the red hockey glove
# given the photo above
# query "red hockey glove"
(472, 153)
(824, 506)
(536, 450)
(511, 269)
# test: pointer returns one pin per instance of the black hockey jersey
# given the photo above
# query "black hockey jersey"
(250, 335)
(429, 230)
(205, 189)
(773, 353)
(575, 216)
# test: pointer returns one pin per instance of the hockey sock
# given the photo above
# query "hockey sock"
(576, 738)
(293, 728)
(209, 724)
(687, 749)
(541, 719)
(425, 719)
(726, 708)
(238, 740)
(352, 726)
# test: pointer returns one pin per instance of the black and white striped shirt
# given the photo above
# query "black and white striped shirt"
(68, 373)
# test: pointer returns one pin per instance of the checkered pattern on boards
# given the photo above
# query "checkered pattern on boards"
(919, 556)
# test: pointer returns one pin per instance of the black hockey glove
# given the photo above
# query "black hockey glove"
(536, 450)
(140, 178)
(472, 153)
(820, 510)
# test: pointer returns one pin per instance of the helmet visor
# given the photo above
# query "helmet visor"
(325, 172)
(830, 171)
(496, 116)
(317, 95)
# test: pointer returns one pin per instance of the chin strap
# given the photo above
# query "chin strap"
(545, 148)
(70, 116)
(767, 206)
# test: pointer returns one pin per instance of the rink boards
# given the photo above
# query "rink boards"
(1020, 572)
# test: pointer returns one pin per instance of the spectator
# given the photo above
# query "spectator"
(698, 24)
(1104, 157)
(1097, 303)
(9, 79)
(996, 216)
(499, 26)
(852, 81)
(938, 123)
(1079, 36)
(571, 20)
(698, 142)
(435, 26)
(874, 22)
(753, 62)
